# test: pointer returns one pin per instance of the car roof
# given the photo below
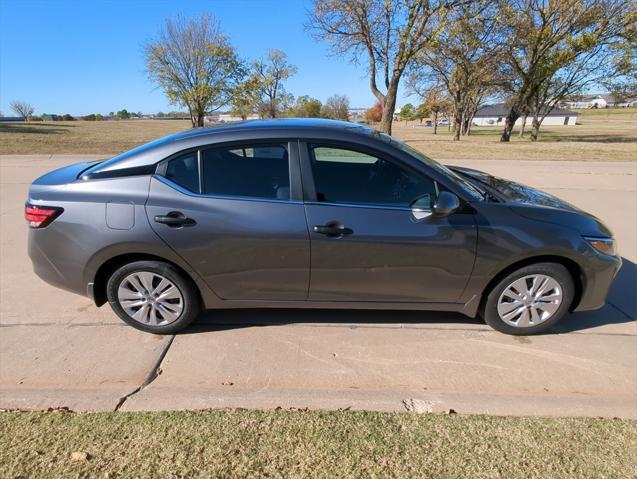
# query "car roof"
(253, 130)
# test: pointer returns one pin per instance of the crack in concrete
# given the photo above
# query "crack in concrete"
(152, 375)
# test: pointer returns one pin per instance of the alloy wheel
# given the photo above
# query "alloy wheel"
(530, 300)
(150, 298)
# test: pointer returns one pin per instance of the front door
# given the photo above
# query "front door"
(366, 244)
(230, 213)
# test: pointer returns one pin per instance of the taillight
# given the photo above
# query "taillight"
(40, 216)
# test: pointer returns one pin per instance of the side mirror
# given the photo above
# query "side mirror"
(447, 203)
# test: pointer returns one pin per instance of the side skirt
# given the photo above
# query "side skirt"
(470, 308)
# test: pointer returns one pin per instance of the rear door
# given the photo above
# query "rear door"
(366, 244)
(235, 214)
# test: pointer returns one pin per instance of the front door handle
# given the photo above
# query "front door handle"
(175, 219)
(333, 229)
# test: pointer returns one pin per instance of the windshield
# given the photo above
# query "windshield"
(443, 170)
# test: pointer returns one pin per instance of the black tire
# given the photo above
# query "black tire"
(190, 301)
(554, 270)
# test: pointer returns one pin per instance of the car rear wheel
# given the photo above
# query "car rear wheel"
(153, 296)
(530, 300)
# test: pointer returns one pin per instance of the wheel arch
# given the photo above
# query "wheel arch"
(111, 265)
(573, 268)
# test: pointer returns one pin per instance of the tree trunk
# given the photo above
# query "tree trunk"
(457, 125)
(389, 106)
(535, 127)
(523, 126)
(435, 122)
(509, 121)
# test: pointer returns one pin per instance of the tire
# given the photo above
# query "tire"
(153, 296)
(549, 293)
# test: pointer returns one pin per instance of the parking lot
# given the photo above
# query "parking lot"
(58, 349)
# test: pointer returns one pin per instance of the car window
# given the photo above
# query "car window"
(183, 171)
(251, 171)
(347, 176)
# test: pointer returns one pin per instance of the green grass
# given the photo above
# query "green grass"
(240, 443)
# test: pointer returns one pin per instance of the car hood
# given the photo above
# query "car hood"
(533, 203)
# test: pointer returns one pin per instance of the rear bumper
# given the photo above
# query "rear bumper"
(54, 270)
(599, 273)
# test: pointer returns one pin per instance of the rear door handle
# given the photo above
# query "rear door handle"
(175, 219)
(333, 229)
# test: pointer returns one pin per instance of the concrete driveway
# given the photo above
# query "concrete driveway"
(57, 349)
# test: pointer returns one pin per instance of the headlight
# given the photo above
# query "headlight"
(603, 245)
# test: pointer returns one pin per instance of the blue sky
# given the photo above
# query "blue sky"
(83, 56)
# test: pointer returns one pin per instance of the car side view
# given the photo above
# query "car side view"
(311, 214)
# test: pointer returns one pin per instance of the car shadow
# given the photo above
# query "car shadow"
(226, 319)
(621, 308)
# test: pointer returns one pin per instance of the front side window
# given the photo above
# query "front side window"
(251, 171)
(348, 176)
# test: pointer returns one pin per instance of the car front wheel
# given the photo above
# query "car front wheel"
(530, 300)
(153, 296)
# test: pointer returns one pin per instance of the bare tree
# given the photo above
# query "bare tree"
(336, 107)
(194, 64)
(267, 79)
(463, 60)
(22, 109)
(388, 33)
(545, 42)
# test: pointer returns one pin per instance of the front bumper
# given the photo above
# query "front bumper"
(599, 271)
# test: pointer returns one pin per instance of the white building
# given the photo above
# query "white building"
(494, 115)
(599, 100)
(227, 118)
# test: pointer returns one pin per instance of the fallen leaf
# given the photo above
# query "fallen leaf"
(80, 456)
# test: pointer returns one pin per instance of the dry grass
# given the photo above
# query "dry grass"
(99, 137)
(609, 134)
(239, 443)
(599, 135)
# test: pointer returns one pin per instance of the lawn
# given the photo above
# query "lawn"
(283, 443)
(609, 134)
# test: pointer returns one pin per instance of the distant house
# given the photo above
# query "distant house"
(599, 100)
(494, 115)
(356, 114)
(227, 118)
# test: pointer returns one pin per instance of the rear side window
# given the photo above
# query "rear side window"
(347, 176)
(183, 171)
(250, 171)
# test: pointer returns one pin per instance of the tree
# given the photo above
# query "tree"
(375, 113)
(407, 112)
(435, 102)
(336, 107)
(123, 114)
(462, 60)
(194, 64)
(554, 49)
(388, 33)
(244, 98)
(267, 81)
(22, 109)
(305, 107)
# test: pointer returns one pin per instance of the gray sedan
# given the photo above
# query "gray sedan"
(311, 214)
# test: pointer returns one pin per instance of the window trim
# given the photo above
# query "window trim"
(294, 169)
(309, 187)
